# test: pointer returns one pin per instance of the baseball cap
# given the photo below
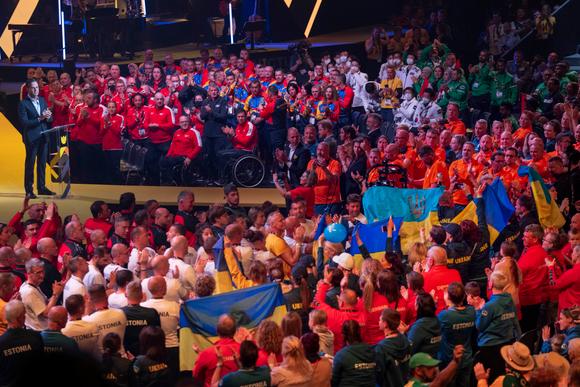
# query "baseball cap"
(422, 359)
(345, 260)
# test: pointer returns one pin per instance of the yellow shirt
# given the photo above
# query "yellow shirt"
(277, 246)
(393, 84)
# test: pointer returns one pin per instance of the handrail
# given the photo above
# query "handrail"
(532, 31)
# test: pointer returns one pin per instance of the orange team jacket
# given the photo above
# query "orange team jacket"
(438, 167)
(326, 192)
(456, 127)
(520, 135)
(462, 170)
(542, 167)
(185, 143)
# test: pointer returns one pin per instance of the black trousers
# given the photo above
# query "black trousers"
(168, 173)
(36, 151)
(112, 162)
(154, 155)
(90, 159)
(212, 146)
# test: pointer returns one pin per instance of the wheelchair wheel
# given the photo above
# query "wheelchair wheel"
(248, 171)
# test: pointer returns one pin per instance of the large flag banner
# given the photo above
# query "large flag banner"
(498, 209)
(548, 212)
(199, 317)
(374, 237)
(417, 208)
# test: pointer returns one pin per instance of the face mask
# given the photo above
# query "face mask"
(354, 69)
(343, 58)
(425, 101)
(408, 96)
(410, 61)
(397, 62)
(391, 62)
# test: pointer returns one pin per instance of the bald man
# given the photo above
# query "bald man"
(163, 220)
(73, 245)
(180, 250)
(206, 362)
(439, 277)
(173, 289)
(48, 251)
(120, 258)
(97, 238)
(169, 316)
(18, 345)
(54, 340)
(348, 309)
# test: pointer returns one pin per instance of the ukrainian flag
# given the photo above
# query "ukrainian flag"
(374, 239)
(417, 208)
(498, 209)
(199, 317)
(548, 212)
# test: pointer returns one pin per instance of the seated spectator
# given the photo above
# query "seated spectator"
(184, 149)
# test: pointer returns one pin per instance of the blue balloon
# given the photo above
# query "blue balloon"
(335, 233)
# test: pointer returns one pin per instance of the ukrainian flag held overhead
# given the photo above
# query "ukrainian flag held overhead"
(417, 208)
(374, 238)
(548, 212)
(199, 317)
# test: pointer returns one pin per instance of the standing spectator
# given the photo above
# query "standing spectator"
(425, 371)
(533, 289)
(480, 83)
(52, 337)
(90, 139)
(568, 285)
(518, 364)
(116, 368)
(248, 374)
(457, 328)
(85, 333)
(544, 22)
(439, 277)
(151, 367)
(327, 187)
(295, 369)
(393, 352)
(425, 333)
(18, 345)
(36, 302)
(138, 317)
(213, 113)
(354, 365)
(322, 365)
(78, 269)
(497, 324)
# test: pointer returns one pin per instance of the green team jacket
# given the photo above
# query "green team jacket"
(480, 81)
(503, 89)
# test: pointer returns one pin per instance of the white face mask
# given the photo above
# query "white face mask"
(408, 96)
(410, 61)
(391, 62)
(426, 100)
(343, 58)
(397, 61)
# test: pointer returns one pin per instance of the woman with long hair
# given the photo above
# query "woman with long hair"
(509, 268)
(328, 108)
(151, 368)
(321, 365)
(116, 369)
(357, 351)
(425, 333)
(295, 370)
(292, 325)
(269, 338)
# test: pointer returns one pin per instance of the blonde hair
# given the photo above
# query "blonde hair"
(417, 253)
(294, 358)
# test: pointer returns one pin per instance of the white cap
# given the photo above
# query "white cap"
(345, 260)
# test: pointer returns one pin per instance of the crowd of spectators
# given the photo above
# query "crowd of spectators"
(455, 310)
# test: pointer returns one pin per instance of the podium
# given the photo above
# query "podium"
(59, 161)
(253, 26)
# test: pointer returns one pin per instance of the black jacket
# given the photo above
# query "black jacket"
(28, 117)
(298, 163)
(216, 118)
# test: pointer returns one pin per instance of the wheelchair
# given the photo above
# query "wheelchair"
(133, 163)
(246, 171)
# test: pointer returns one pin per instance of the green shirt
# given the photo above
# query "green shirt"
(480, 81)
(255, 377)
(457, 93)
(354, 365)
(503, 89)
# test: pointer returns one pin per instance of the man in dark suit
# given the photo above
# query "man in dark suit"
(214, 111)
(293, 159)
(34, 117)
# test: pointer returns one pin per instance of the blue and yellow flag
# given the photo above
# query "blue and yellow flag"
(198, 318)
(374, 238)
(498, 209)
(417, 208)
(548, 212)
(222, 276)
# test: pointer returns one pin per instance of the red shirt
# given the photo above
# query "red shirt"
(185, 143)
(206, 362)
(533, 288)
(569, 288)
(135, 122)
(345, 96)
(335, 317)
(93, 224)
(438, 279)
(89, 128)
(325, 191)
(306, 193)
(111, 132)
(166, 121)
(122, 103)
(246, 137)
(60, 113)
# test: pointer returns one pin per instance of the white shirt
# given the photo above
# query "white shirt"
(186, 272)
(117, 300)
(407, 73)
(175, 292)
(85, 333)
(74, 285)
(133, 264)
(35, 302)
(169, 317)
(107, 321)
(93, 277)
(35, 103)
